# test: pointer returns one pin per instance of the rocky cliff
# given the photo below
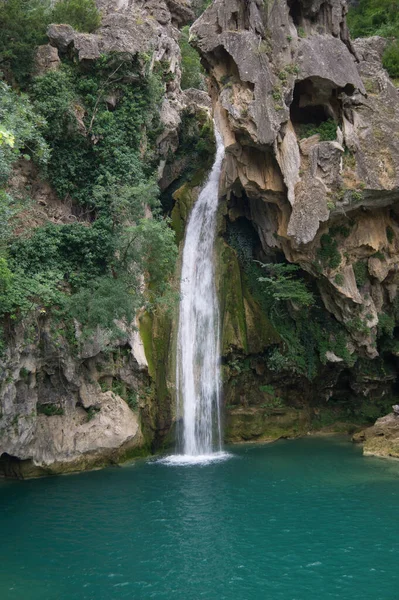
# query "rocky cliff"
(310, 122)
(68, 401)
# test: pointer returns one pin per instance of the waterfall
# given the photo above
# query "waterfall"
(198, 340)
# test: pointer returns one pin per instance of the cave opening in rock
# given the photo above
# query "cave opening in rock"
(312, 104)
(13, 467)
(295, 11)
(316, 101)
(242, 236)
(231, 73)
(233, 22)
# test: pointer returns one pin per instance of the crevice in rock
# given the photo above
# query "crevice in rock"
(12, 467)
(233, 21)
(295, 11)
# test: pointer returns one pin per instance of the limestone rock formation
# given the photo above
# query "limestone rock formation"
(66, 410)
(68, 406)
(310, 122)
(382, 439)
(148, 28)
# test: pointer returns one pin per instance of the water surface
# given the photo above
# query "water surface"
(309, 519)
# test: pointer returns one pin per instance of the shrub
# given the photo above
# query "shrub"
(386, 325)
(327, 130)
(361, 273)
(49, 410)
(390, 59)
(110, 147)
(378, 17)
(339, 279)
(20, 132)
(282, 284)
(22, 27)
(54, 95)
(192, 71)
(374, 17)
(83, 15)
(328, 253)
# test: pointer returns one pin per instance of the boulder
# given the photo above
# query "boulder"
(382, 439)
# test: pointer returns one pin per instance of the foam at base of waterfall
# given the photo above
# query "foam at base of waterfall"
(180, 460)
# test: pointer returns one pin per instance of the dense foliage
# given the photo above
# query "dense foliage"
(296, 312)
(21, 131)
(97, 125)
(92, 132)
(327, 130)
(83, 15)
(23, 25)
(199, 6)
(192, 71)
(378, 17)
(281, 284)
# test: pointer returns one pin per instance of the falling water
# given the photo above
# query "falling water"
(198, 343)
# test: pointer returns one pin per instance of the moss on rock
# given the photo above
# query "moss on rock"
(245, 326)
(262, 424)
(156, 333)
(184, 199)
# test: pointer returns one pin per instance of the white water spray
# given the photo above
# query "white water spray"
(198, 342)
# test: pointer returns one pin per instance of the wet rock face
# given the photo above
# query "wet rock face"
(310, 122)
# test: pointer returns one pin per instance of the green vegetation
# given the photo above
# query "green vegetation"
(23, 25)
(328, 253)
(104, 162)
(200, 5)
(21, 132)
(386, 325)
(192, 71)
(390, 234)
(91, 412)
(361, 273)
(83, 15)
(308, 331)
(196, 146)
(282, 285)
(378, 17)
(391, 59)
(49, 410)
(327, 130)
(339, 279)
(120, 388)
(273, 401)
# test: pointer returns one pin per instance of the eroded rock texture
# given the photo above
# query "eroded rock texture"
(311, 122)
(68, 404)
(145, 27)
(382, 439)
(65, 409)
